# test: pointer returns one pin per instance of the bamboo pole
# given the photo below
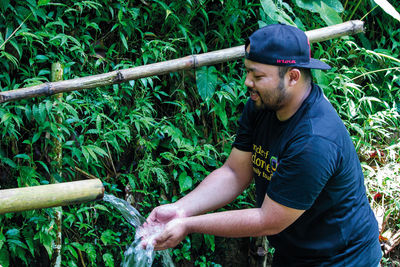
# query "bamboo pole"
(188, 62)
(51, 195)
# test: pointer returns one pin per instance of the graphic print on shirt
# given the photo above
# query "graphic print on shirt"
(264, 164)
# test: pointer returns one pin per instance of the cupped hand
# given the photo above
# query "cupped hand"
(157, 219)
(165, 213)
(174, 232)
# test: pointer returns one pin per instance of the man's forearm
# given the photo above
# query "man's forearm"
(237, 223)
(219, 188)
(270, 219)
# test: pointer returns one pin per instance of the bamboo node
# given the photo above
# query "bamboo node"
(194, 61)
(47, 89)
(119, 78)
(355, 29)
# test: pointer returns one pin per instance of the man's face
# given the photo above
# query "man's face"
(267, 89)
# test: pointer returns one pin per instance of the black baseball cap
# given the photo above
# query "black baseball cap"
(282, 45)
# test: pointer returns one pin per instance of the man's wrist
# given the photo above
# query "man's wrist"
(181, 211)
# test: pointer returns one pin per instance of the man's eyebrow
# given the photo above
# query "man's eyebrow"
(252, 69)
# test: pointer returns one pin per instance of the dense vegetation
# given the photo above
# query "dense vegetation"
(151, 140)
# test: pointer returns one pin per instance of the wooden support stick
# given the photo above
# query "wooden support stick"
(51, 195)
(57, 75)
(193, 61)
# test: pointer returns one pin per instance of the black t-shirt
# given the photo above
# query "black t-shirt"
(308, 162)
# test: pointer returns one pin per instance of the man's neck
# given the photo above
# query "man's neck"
(294, 103)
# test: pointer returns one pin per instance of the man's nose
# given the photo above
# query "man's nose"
(248, 82)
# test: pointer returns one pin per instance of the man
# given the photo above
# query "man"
(311, 201)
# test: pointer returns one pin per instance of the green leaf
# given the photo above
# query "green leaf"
(77, 245)
(28, 142)
(2, 240)
(17, 47)
(101, 207)
(90, 251)
(328, 14)
(108, 259)
(3, 5)
(275, 13)
(131, 181)
(221, 113)
(43, 2)
(47, 241)
(9, 162)
(42, 111)
(185, 182)
(311, 4)
(28, 235)
(16, 243)
(43, 165)
(36, 137)
(107, 237)
(206, 81)
(22, 156)
(388, 8)
(28, 112)
(6, 117)
(4, 257)
(210, 241)
(123, 39)
(10, 57)
(72, 250)
(42, 57)
(98, 150)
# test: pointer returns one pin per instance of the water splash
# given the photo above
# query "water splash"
(135, 255)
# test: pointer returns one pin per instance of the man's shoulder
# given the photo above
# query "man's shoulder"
(322, 120)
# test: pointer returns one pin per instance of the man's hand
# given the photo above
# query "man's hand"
(165, 213)
(216, 190)
(158, 219)
(174, 232)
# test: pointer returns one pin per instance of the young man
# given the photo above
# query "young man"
(311, 200)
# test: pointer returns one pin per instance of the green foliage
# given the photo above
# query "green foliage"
(152, 140)
(206, 81)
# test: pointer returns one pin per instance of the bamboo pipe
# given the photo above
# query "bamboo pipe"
(188, 62)
(51, 195)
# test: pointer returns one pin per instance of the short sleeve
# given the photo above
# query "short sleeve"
(303, 172)
(244, 134)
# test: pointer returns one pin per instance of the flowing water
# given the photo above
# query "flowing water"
(135, 255)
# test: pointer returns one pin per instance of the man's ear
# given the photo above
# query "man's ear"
(294, 75)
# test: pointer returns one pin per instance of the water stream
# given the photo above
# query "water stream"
(135, 255)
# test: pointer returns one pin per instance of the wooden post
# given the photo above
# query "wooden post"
(57, 75)
(51, 195)
(189, 62)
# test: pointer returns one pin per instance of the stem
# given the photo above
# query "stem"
(369, 12)
(111, 160)
(374, 71)
(355, 9)
(345, 4)
(9, 37)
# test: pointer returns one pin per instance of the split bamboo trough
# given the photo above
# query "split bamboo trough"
(51, 195)
(188, 62)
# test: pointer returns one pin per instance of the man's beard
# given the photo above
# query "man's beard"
(279, 99)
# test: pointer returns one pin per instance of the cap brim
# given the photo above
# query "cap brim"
(316, 64)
